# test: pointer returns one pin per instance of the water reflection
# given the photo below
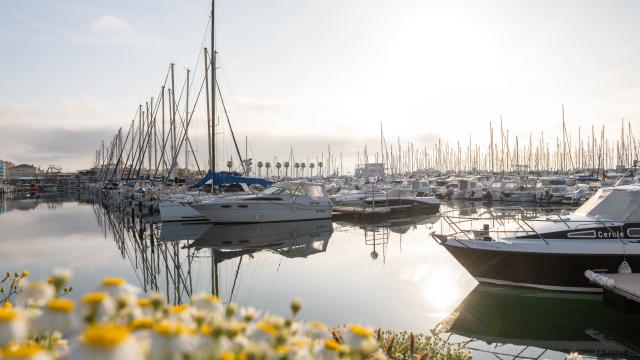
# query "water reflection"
(504, 321)
(388, 274)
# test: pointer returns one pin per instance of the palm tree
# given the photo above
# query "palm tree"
(268, 166)
(303, 165)
(297, 166)
(229, 165)
(286, 169)
(311, 166)
(260, 164)
(278, 166)
(320, 167)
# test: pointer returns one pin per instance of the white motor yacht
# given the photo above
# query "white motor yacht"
(284, 201)
(553, 252)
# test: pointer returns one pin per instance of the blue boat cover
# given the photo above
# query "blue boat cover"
(220, 178)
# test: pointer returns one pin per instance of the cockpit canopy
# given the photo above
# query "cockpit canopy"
(294, 188)
(620, 203)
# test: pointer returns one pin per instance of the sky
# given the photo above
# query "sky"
(301, 75)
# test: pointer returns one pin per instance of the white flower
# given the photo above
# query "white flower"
(13, 326)
(171, 340)
(355, 335)
(574, 356)
(209, 303)
(97, 306)
(36, 293)
(116, 287)
(181, 313)
(328, 350)
(317, 330)
(60, 277)
(106, 342)
(249, 314)
(26, 352)
(58, 315)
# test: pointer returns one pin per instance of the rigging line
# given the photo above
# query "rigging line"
(235, 279)
(166, 78)
(184, 133)
(244, 170)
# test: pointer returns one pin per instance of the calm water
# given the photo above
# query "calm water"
(390, 275)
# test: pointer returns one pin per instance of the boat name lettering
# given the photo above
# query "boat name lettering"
(610, 234)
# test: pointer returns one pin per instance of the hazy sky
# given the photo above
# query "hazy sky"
(308, 73)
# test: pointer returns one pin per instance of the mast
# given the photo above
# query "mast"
(213, 86)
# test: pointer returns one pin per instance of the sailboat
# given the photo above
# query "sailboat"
(176, 207)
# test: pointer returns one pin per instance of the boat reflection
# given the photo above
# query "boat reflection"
(376, 235)
(538, 322)
(290, 239)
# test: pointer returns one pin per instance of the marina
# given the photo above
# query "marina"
(363, 180)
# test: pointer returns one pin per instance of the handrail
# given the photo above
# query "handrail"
(524, 224)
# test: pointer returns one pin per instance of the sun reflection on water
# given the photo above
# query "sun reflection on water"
(441, 290)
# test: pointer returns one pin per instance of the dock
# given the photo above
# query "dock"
(619, 291)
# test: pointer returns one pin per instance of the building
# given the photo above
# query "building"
(4, 170)
(22, 171)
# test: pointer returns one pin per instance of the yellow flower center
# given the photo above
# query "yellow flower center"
(112, 281)
(23, 351)
(227, 355)
(299, 343)
(317, 325)
(360, 331)
(237, 326)
(105, 335)
(25, 273)
(266, 328)
(94, 297)
(167, 328)
(7, 314)
(179, 309)
(332, 345)
(142, 323)
(61, 305)
(283, 350)
(207, 298)
(144, 302)
(206, 329)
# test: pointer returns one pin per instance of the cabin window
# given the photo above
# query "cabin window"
(591, 234)
(633, 232)
(225, 206)
(243, 206)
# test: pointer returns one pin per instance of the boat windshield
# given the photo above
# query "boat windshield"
(315, 191)
(294, 189)
(274, 190)
(611, 204)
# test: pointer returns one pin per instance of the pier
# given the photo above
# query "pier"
(619, 291)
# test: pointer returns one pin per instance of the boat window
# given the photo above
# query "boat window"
(315, 191)
(273, 191)
(633, 232)
(591, 234)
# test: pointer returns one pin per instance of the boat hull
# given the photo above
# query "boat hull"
(261, 212)
(550, 271)
(178, 211)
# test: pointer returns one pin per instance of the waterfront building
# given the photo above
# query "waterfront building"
(4, 170)
(22, 171)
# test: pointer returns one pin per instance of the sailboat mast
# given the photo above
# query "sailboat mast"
(213, 86)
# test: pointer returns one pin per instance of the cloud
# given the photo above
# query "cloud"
(71, 148)
(109, 23)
